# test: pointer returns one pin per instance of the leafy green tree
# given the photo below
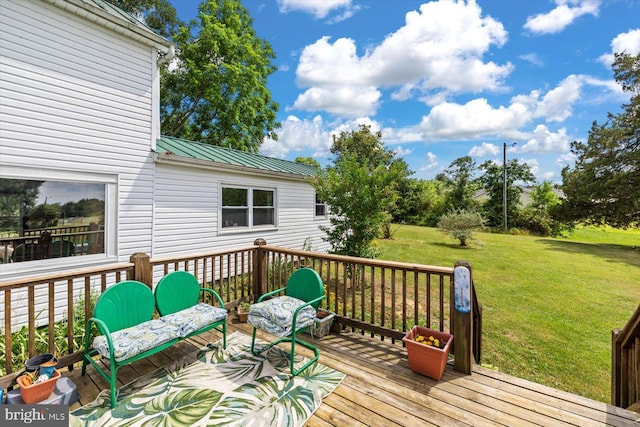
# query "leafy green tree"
(360, 187)
(462, 185)
(461, 224)
(493, 182)
(420, 202)
(159, 15)
(308, 161)
(215, 91)
(18, 196)
(538, 217)
(604, 184)
(45, 215)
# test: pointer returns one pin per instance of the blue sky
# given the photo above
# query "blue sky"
(444, 79)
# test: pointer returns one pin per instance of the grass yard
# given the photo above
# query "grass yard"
(549, 303)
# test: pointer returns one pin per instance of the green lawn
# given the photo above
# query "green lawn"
(549, 304)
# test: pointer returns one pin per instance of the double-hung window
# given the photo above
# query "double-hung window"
(321, 207)
(248, 207)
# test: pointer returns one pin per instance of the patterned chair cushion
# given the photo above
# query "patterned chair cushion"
(276, 315)
(191, 319)
(136, 339)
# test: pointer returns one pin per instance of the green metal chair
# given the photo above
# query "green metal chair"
(119, 307)
(179, 291)
(289, 314)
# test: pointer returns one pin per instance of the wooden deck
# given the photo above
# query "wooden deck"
(380, 390)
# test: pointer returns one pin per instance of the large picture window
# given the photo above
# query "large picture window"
(247, 207)
(42, 219)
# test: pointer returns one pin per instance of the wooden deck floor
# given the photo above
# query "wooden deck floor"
(380, 390)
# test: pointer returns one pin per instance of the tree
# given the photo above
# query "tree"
(420, 202)
(360, 187)
(159, 15)
(218, 92)
(461, 224)
(604, 184)
(538, 216)
(460, 178)
(216, 89)
(493, 183)
(308, 161)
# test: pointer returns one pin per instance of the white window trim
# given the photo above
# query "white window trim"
(250, 227)
(45, 266)
(315, 207)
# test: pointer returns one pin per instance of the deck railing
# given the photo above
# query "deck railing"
(39, 306)
(625, 364)
(381, 298)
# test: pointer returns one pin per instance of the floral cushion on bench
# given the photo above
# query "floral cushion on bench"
(191, 319)
(136, 339)
(276, 315)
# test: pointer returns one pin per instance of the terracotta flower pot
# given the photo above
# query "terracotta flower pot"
(424, 359)
(35, 393)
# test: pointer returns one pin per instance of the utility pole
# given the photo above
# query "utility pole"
(504, 186)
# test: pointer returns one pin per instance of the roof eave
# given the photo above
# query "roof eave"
(121, 26)
(172, 159)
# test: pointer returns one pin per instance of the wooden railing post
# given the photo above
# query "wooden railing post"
(616, 357)
(141, 269)
(463, 317)
(260, 269)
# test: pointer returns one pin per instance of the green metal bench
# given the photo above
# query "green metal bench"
(124, 318)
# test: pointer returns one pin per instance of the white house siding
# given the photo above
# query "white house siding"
(187, 209)
(75, 100)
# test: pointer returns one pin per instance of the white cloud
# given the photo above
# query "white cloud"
(557, 104)
(401, 152)
(484, 150)
(299, 135)
(533, 58)
(544, 141)
(344, 101)
(318, 8)
(562, 16)
(431, 162)
(402, 135)
(439, 50)
(472, 120)
(566, 159)
(628, 42)
(534, 165)
(315, 135)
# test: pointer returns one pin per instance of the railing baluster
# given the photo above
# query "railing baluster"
(51, 308)
(32, 320)
(393, 299)
(441, 303)
(7, 330)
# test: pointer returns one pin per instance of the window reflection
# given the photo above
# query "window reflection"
(50, 219)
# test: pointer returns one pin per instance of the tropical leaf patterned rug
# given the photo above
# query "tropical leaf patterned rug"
(217, 387)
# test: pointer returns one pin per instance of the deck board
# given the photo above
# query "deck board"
(380, 390)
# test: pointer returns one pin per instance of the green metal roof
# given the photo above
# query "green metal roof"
(170, 146)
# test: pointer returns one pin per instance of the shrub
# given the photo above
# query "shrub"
(460, 224)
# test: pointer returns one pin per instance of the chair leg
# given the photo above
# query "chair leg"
(253, 341)
(113, 383)
(224, 335)
(316, 352)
